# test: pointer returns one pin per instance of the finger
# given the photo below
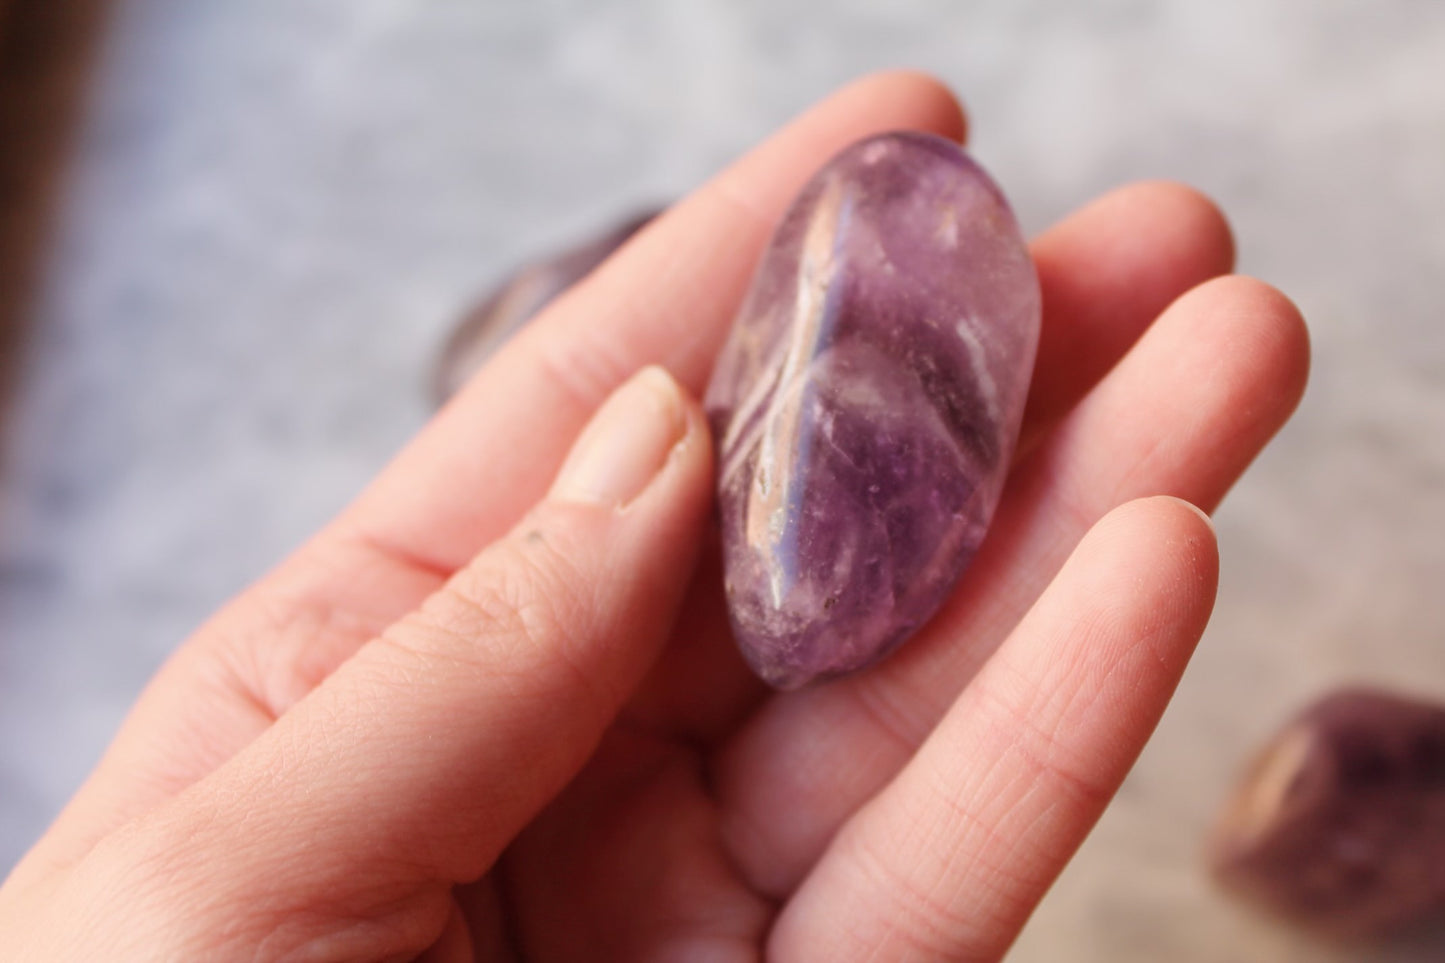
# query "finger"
(626, 864)
(666, 297)
(1106, 272)
(415, 763)
(455, 943)
(1183, 414)
(952, 857)
(491, 933)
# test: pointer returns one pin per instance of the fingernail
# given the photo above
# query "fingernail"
(626, 444)
(1198, 511)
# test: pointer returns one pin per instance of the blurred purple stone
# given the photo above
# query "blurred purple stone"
(867, 403)
(518, 298)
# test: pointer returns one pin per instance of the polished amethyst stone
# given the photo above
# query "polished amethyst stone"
(867, 402)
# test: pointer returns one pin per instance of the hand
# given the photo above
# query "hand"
(493, 712)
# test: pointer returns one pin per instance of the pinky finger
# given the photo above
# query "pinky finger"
(949, 860)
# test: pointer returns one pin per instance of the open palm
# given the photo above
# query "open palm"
(494, 713)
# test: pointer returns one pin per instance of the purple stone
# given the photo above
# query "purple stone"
(867, 403)
(519, 298)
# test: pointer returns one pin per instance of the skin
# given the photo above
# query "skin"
(490, 714)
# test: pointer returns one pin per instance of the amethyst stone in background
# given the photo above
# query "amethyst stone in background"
(867, 403)
(520, 297)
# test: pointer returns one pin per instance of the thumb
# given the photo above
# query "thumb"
(421, 757)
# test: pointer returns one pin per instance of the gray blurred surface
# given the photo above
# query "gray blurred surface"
(279, 206)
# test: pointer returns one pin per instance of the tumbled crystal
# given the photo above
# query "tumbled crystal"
(520, 297)
(867, 402)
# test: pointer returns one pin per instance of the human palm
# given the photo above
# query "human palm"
(493, 711)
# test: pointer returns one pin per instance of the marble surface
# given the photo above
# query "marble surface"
(278, 207)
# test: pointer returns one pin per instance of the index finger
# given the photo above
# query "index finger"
(665, 298)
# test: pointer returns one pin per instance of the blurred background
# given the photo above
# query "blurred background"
(236, 233)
